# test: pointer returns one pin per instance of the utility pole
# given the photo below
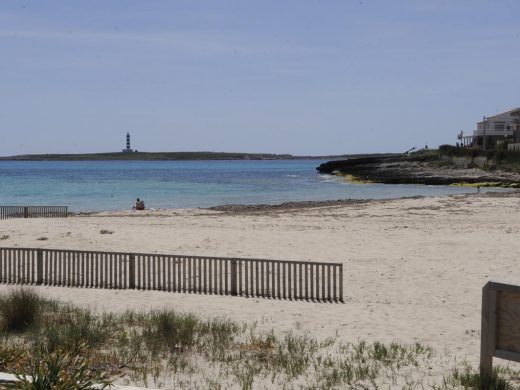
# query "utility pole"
(484, 134)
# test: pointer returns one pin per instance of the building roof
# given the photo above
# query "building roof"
(500, 114)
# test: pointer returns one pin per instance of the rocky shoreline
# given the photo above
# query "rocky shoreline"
(417, 170)
(261, 208)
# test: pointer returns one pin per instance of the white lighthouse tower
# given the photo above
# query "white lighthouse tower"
(128, 148)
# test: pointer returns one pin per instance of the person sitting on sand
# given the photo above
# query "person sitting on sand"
(139, 205)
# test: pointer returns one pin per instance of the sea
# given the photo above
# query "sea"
(114, 185)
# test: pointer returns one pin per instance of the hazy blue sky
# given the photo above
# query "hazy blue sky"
(300, 77)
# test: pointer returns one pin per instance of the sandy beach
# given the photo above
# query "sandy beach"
(414, 268)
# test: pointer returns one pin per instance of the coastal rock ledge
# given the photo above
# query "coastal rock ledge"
(417, 170)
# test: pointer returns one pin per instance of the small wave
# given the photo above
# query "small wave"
(325, 177)
(292, 175)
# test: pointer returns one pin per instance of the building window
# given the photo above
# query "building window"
(500, 125)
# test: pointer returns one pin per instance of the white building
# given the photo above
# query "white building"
(499, 128)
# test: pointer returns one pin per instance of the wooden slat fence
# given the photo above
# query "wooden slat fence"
(275, 279)
(499, 332)
(7, 212)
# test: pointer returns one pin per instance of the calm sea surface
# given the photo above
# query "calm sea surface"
(114, 185)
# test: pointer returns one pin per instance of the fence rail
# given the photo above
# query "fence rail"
(276, 279)
(7, 212)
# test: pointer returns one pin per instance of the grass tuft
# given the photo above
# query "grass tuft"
(54, 341)
(470, 379)
(61, 369)
(19, 309)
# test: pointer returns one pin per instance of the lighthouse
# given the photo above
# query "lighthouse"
(128, 148)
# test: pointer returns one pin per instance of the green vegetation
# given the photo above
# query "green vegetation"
(453, 151)
(60, 370)
(480, 184)
(499, 158)
(508, 160)
(19, 309)
(63, 347)
(467, 378)
(355, 179)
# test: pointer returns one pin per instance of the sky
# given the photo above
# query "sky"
(293, 76)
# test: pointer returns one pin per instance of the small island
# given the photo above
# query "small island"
(132, 154)
(150, 156)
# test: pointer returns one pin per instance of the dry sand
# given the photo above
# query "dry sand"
(414, 268)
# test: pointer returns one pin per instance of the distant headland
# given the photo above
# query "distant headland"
(148, 156)
(133, 154)
(173, 156)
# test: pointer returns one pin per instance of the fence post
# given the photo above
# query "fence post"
(131, 272)
(39, 266)
(233, 277)
(488, 335)
(341, 284)
(26, 212)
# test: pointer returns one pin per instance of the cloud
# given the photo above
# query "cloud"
(204, 43)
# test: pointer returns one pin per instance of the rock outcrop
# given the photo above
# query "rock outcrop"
(426, 169)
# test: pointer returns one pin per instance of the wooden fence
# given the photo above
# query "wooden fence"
(500, 333)
(189, 274)
(7, 212)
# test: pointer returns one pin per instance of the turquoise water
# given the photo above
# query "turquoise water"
(114, 185)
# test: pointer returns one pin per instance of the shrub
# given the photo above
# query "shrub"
(446, 149)
(177, 331)
(450, 150)
(60, 370)
(19, 309)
